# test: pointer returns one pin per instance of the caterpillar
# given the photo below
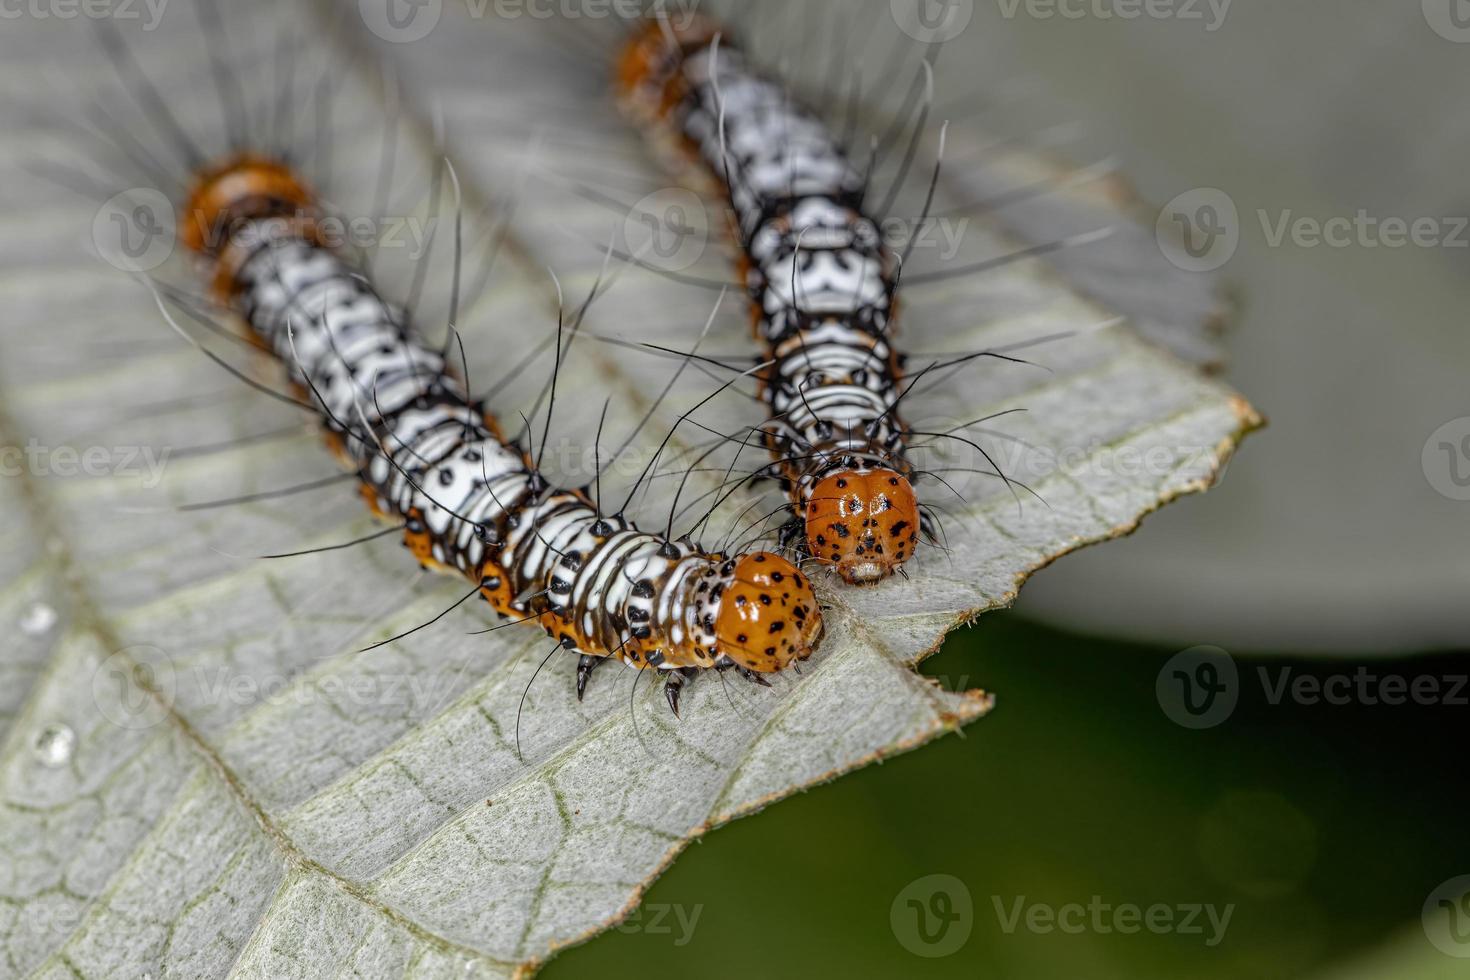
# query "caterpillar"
(430, 457)
(822, 287)
(472, 503)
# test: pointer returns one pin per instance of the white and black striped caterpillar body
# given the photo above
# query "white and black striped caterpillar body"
(822, 286)
(471, 502)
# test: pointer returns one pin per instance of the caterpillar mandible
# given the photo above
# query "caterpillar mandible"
(822, 286)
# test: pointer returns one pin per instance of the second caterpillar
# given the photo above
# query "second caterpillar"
(822, 285)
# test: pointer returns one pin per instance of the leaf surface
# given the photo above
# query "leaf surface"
(242, 791)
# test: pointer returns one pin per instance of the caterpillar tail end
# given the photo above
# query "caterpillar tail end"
(232, 192)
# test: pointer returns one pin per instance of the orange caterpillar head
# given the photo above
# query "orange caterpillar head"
(768, 616)
(864, 522)
(239, 188)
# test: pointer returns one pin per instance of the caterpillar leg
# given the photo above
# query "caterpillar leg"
(674, 685)
(749, 675)
(585, 667)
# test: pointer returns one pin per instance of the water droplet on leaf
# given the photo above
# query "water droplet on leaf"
(38, 619)
(54, 745)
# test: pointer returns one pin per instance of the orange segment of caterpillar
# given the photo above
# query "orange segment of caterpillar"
(239, 188)
(864, 522)
(822, 286)
(471, 502)
(770, 613)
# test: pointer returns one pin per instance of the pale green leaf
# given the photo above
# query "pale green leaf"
(245, 793)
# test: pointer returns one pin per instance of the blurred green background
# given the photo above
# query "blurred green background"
(1326, 827)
